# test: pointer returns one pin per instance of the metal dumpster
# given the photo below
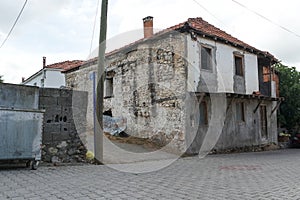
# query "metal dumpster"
(21, 135)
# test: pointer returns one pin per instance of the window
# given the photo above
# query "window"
(203, 118)
(240, 112)
(108, 87)
(239, 62)
(206, 58)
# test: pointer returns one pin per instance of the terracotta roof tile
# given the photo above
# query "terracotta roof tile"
(205, 28)
(66, 65)
(200, 26)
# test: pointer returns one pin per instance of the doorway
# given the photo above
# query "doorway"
(263, 122)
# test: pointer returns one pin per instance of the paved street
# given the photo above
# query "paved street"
(263, 175)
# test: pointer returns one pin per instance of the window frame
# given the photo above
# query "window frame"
(210, 58)
(239, 70)
(109, 87)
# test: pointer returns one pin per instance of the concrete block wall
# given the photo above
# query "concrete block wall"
(63, 138)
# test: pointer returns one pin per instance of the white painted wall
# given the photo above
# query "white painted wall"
(193, 65)
(251, 73)
(48, 78)
(36, 79)
(54, 79)
(224, 66)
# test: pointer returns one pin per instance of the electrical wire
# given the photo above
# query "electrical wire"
(95, 20)
(19, 15)
(267, 19)
(204, 8)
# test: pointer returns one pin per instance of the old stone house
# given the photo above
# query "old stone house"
(190, 88)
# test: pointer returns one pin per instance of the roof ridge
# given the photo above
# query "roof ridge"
(64, 65)
(196, 24)
(64, 62)
(207, 28)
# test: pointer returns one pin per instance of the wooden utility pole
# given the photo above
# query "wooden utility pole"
(98, 135)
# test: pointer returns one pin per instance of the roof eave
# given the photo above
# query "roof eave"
(216, 38)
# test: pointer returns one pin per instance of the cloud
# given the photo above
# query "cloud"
(62, 29)
(58, 29)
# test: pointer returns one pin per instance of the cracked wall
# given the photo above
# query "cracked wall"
(149, 83)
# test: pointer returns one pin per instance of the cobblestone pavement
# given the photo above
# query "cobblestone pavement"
(263, 175)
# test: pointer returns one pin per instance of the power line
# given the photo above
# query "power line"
(95, 20)
(14, 24)
(204, 8)
(267, 19)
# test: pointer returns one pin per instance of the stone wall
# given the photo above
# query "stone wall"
(149, 90)
(149, 84)
(82, 80)
(64, 125)
(156, 91)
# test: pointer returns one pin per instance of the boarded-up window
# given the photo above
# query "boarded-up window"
(206, 58)
(203, 118)
(240, 112)
(239, 62)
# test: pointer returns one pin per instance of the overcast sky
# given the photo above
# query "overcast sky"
(62, 29)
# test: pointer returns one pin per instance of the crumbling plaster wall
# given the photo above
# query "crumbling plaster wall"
(233, 133)
(222, 77)
(149, 90)
(149, 85)
(248, 133)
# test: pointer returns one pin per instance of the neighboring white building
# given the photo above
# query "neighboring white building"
(51, 76)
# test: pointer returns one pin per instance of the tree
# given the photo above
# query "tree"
(289, 85)
(1, 80)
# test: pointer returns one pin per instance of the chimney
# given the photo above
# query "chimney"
(44, 62)
(148, 26)
(23, 79)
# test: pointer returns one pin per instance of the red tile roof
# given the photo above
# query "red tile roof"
(200, 27)
(204, 27)
(198, 24)
(66, 65)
